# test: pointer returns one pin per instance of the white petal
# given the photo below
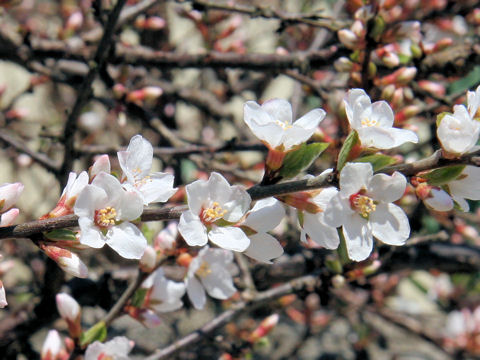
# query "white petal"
(230, 238)
(192, 229)
(390, 224)
(265, 215)
(382, 114)
(337, 211)
(295, 136)
(376, 137)
(90, 199)
(401, 136)
(262, 124)
(387, 188)
(157, 188)
(90, 235)
(358, 238)
(264, 247)
(468, 186)
(112, 187)
(311, 120)
(197, 195)
(3, 297)
(440, 200)
(324, 198)
(458, 133)
(462, 203)
(196, 293)
(79, 184)
(216, 256)
(130, 207)
(279, 109)
(127, 241)
(356, 102)
(138, 160)
(354, 177)
(319, 232)
(219, 189)
(218, 283)
(237, 205)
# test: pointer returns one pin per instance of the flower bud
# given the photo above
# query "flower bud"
(358, 29)
(406, 74)
(264, 328)
(75, 21)
(390, 59)
(69, 310)
(67, 260)
(3, 297)
(119, 90)
(166, 240)
(102, 163)
(348, 38)
(343, 64)
(432, 87)
(152, 92)
(9, 194)
(338, 281)
(9, 217)
(184, 260)
(148, 259)
(52, 347)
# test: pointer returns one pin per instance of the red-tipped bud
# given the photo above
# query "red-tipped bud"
(69, 310)
(9, 217)
(264, 328)
(52, 347)
(9, 194)
(432, 87)
(102, 163)
(67, 260)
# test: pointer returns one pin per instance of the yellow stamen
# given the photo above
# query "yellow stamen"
(366, 121)
(105, 217)
(363, 205)
(284, 124)
(204, 270)
(213, 213)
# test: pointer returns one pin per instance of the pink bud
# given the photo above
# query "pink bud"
(406, 74)
(9, 217)
(101, 163)
(52, 346)
(155, 23)
(358, 29)
(347, 38)
(9, 194)
(148, 260)
(67, 260)
(152, 92)
(264, 328)
(69, 310)
(432, 87)
(75, 21)
(391, 59)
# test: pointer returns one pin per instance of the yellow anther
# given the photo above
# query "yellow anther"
(204, 270)
(105, 217)
(213, 213)
(366, 121)
(363, 205)
(284, 124)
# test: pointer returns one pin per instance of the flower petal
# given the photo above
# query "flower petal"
(358, 238)
(387, 188)
(402, 136)
(218, 283)
(196, 293)
(137, 161)
(230, 238)
(90, 199)
(130, 207)
(376, 137)
(440, 200)
(321, 233)
(265, 215)
(279, 110)
(468, 186)
(157, 188)
(311, 120)
(112, 187)
(382, 114)
(338, 211)
(237, 205)
(90, 235)
(390, 224)
(264, 247)
(127, 240)
(192, 229)
(354, 177)
(197, 194)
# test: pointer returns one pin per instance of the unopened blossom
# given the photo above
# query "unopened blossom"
(9, 194)
(166, 239)
(364, 209)
(214, 207)
(458, 132)
(104, 209)
(272, 123)
(117, 349)
(9, 217)
(209, 272)
(3, 296)
(462, 330)
(66, 259)
(263, 217)
(373, 122)
(164, 295)
(75, 185)
(473, 103)
(136, 163)
(264, 328)
(69, 310)
(101, 164)
(53, 348)
(148, 259)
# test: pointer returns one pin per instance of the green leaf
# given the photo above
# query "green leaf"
(443, 175)
(465, 83)
(61, 234)
(300, 159)
(97, 332)
(139, 297)
(350, 142)
(378, 161)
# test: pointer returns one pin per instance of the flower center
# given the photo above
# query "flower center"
(366, 121)
(283, 124)
(204, 270)
(213, 213)
(105, 217)
(362, 204)
(141, 182)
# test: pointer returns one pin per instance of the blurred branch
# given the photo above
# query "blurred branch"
(85, 91)
(293, 286)
(268, 12)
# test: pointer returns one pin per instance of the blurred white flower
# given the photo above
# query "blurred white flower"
(116, 349)
(165, 295)
(373, 122)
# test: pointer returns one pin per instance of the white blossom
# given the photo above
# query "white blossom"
(136, 163)
(373, 122)
(9, 194)
(272, 123)
(116, 349)
(214, 206)
(458, 132)
(104, 209)
(363, 207)
(473, 103)
(209, 271)
(165, 294)
(263, 217)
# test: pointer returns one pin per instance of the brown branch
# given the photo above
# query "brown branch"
(85, 91)
(266, 12)
(260, 298)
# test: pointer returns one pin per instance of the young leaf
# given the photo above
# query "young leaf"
(350, 142)
(61, 234)
(139, 297)
(443, 175)
(297, 160)
(378, 161)
(96, 332)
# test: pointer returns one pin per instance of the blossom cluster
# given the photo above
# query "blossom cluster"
(348, 214)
